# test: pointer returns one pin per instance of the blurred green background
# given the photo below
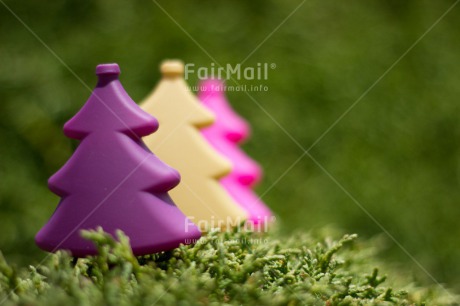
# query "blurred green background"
(397, 152)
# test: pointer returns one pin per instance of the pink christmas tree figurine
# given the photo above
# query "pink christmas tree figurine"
(112, 180)
(226, 134)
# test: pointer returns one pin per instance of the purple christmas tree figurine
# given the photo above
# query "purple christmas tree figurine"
(112, 180)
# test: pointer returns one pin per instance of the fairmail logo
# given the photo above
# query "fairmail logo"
(229, 224)
(230, 72)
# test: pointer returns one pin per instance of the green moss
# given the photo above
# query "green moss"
(223, 268)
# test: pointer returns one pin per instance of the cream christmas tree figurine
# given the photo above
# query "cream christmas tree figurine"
(180, 144)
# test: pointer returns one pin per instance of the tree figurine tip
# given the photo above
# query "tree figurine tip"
(172, 68)
(104, 69)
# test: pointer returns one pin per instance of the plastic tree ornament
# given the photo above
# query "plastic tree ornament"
(112, 180)
(226, 135)
(180, 143)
